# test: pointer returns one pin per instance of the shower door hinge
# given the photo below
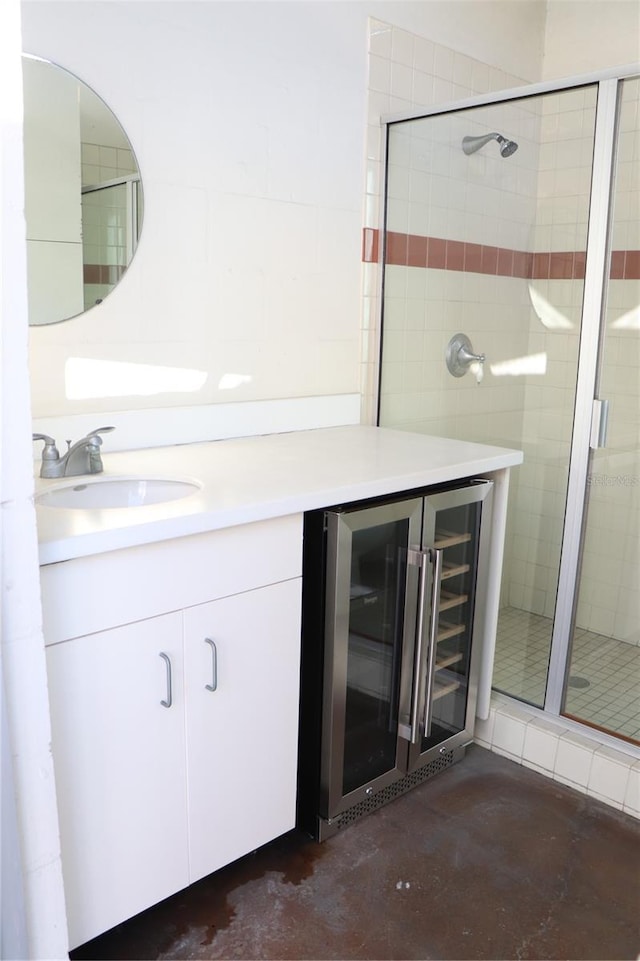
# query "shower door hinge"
(599, 424)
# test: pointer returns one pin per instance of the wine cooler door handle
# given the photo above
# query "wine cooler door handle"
(432, 650)
(421, 558)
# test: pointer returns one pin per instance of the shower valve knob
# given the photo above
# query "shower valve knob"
(460, 356)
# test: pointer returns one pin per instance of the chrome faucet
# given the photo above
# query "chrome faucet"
(83, 457)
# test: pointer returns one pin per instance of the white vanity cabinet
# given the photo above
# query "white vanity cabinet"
(153, 797)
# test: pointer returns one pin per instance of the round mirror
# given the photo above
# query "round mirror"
(83, 194)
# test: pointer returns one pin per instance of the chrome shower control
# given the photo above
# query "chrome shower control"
(459, 356)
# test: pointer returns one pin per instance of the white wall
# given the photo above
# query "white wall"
(590, 35)
(248, 123)
(508, 35)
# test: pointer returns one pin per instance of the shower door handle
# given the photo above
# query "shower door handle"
(599, 424)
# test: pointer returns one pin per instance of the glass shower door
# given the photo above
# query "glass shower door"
(487, 240)
(604, 673)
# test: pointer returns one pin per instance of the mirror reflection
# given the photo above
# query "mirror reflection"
(83, 194)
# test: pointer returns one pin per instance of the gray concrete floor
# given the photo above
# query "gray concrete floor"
(486, 860)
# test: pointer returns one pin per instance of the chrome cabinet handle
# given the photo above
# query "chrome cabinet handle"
(214, 655)
(437, 557)
(419, 558)
(169, 700)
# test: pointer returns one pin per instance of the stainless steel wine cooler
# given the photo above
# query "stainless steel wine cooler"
(390, 656)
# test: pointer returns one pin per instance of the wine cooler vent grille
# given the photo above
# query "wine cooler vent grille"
(394, 790)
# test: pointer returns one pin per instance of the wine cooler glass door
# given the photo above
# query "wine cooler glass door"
(368, 667)
(453, 527)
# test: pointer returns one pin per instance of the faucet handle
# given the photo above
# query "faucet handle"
(50, 451)
(100, 430)
(94, 434)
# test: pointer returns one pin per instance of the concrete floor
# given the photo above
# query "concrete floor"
(486, 860)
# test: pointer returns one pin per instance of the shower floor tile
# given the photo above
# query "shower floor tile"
(604, 679)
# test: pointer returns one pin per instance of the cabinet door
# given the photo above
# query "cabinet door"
(242, 735)
(120, 771)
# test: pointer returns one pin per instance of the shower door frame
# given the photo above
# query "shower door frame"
(596, 283)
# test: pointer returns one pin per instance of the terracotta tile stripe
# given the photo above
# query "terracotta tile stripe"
(102, 273)
(370, 245)
(413, 250)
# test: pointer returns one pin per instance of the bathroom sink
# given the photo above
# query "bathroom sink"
(114, 492)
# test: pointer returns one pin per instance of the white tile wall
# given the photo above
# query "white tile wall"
(438, 74)
(434, 192)
(564, 751)
(540, 746)
(573, 760)
(251, 154)
(631, 802)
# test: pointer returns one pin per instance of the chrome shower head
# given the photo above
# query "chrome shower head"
(507, 147)
(471, 144)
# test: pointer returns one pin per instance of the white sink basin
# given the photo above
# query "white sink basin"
(114, 492)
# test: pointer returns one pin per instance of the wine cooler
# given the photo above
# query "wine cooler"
(390, 652)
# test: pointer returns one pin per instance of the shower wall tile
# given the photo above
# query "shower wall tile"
(554, 747)
(574, 758)
(409, 72)
(483, 733)
(540, 746)
(508, 734)
(380, 38)
(609, 776)
(631, 802)
(379, 73)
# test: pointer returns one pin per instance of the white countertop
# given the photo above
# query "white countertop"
(256, 478)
